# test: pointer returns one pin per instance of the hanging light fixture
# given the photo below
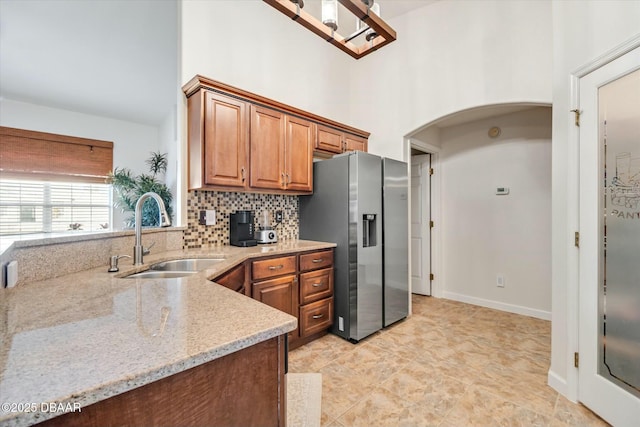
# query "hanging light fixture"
(371, 33)
(330, 13)
(379, 33)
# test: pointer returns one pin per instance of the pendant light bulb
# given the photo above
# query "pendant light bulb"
(371, 33)
(330, 13)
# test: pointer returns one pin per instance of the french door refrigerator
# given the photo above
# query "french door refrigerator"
(348, 207)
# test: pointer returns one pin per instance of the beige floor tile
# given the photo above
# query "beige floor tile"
(427, 389)
(373, 362)
(380, 408)
(570, 414)
(342, 387)
(481, 408)
(449, 364)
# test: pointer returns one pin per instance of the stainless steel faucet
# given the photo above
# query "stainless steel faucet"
(138, 250)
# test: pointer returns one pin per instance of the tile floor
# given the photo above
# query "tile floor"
(450, 364)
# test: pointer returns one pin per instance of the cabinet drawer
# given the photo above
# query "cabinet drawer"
(273, 267)
(316, 285)
(316, 317)
(316, 260)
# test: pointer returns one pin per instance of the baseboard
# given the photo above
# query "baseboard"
(558, 383)
(497, 305)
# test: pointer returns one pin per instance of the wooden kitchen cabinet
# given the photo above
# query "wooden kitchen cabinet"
(275, 283)
(240, 141)
(278, 293)
(218, 137)
(355, 143)
(245, 388)
(281, 151)
(333, 141)
(316, 294)
(267, 148)
(299, 136)
(300, 284)
(235, 279)
(329, 140)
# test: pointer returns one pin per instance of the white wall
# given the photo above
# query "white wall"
(168, 143)
(485, 235)
(132, 142)
(250, 45)
(582, 31)
(451, 56)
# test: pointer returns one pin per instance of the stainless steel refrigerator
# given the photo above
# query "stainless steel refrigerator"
(360, 203)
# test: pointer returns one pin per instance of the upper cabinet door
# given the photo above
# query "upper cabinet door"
(328, 139)
(355, 143)
(299, 154)
(225, 141)
(267, 148)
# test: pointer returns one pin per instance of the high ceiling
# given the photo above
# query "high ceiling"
(109, 58)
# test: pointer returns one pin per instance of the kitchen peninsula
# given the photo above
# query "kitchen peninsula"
(145, 351)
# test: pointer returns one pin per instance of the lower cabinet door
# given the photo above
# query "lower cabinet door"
(316, 317)
(280, 293)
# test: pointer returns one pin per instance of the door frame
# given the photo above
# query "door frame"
(573, 214)
(437, 289)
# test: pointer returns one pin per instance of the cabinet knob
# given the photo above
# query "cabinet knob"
(243, 174)
(317, 316)
(276, 267)
(317, 260)
(317, 285)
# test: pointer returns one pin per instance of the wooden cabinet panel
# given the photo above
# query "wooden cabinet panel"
(316, 285)
(355, 143)
(235, 279)
(315, 317)
(328, 139)
(278, 293)
(273, 267)
(299, 154)
(267, 148)
(316, 260)
(225, 141)
(245, 388)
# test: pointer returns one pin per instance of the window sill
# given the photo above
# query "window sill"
(42, 239)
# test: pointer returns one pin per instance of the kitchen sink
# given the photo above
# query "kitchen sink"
(151, 274)
(189, 264)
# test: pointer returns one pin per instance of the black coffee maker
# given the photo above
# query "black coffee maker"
(242, 229)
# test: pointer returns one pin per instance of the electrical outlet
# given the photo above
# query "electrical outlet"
(211, 217)
(207, 217)
(500, 281)
(12, 274)
(278, 216)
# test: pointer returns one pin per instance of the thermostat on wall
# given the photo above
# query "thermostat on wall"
(502, 191)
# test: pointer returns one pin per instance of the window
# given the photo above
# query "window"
(53, 183)
(52, 207)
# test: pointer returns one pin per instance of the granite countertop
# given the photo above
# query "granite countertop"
(84, 337)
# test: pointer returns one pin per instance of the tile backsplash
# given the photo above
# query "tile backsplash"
(224, 203)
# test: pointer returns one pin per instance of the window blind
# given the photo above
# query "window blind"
(49, 207)
(26, 154)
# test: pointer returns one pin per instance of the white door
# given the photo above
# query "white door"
(609, 254)
(420, 229)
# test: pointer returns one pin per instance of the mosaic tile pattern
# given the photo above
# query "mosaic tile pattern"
(224, 203)
(450, 364)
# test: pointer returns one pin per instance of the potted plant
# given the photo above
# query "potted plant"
(129, 188)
